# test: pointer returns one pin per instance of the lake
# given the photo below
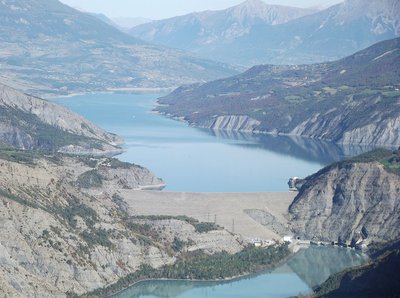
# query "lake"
(198, 160)
(299, 274)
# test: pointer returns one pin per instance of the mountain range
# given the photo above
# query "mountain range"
(256, 33)
(49, 47)
(350, 101)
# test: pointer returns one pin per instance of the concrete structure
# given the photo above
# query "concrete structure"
(222, 208)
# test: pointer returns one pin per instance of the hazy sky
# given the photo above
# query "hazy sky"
(160, 9)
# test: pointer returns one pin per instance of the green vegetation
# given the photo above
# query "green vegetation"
(88, 160)
(378, 278)
(46, 137)
(117, 164)
(90, 179)
(199, 266)
(204, 227)
(18, 199)
(189, 220)
(392, 162)
(329, 101)
(76, 208)
(178, 245)
(390, 159)
(371, 156)
(19, 156)
(92, 235)
(95, 236)
(200, 227)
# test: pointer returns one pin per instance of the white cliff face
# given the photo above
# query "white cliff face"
(356, 202)
(385, 132)
(235, 123)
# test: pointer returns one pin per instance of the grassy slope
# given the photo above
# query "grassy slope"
(356, 88)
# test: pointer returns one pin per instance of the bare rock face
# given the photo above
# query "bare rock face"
(352, 203)
(29, 122)
(61, 237)
(233, 123)
(113, 175)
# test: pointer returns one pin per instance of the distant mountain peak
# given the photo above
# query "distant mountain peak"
(384, 14)
(270, 14)
(253, 3)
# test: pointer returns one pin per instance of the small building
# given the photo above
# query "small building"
(288, 239)
(257, 242)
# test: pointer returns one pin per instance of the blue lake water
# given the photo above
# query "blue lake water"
(299, 274)
(190, 159)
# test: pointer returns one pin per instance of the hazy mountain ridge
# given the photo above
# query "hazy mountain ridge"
(52, 48)
(348, 101)
(198, 32)
(257, 33)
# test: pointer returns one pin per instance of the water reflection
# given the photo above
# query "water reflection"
(306, 269)
(190, 159)
(307, 149)
(314, 265)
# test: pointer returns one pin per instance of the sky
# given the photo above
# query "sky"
(161, 9)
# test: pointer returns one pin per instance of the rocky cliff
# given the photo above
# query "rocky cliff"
(233, 123)
(29, 122)
(355, 202)
(66, 229)
(350, 101)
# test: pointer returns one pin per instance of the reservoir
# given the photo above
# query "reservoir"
(198, 160)
(299, 274)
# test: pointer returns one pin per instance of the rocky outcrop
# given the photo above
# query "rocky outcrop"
(382, 130)
(354, 203)
(234, 123)
(29, 122)
(114, 175)
(61, 237)
(267, 219)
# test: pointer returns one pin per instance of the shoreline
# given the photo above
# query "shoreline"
(137, 90)
(266, 270)
(268, 133)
